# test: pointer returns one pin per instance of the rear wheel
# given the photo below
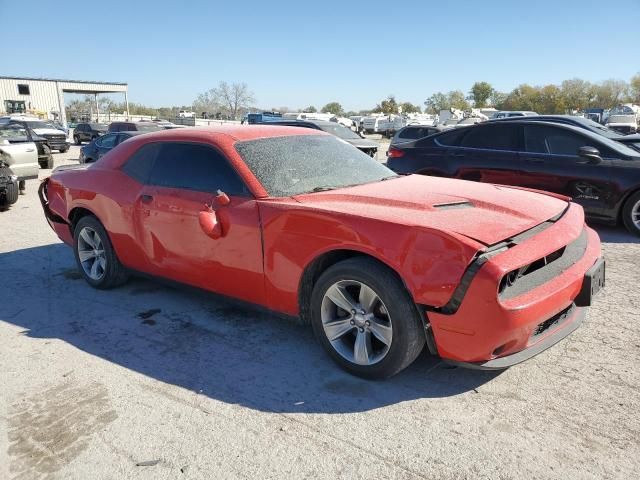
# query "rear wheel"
(631, 213)
(95, 256)
(365, 319)
(76, 139)
(10, 195)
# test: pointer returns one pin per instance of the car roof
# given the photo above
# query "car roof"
(235, 132)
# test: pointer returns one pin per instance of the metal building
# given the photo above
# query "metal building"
(45, 96)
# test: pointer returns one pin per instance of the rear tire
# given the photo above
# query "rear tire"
(394, 335)
(92, 243)
(631, 213)
(76, 139)
(10, 195)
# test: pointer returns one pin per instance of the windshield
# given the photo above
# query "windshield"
(149, 127)
(340, 131)
(298, 164)
(37, 124)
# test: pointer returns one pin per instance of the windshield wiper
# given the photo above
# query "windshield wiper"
(323, 189)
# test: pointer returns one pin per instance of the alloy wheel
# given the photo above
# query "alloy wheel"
(635, 214)
(356, 322)
(91, 254)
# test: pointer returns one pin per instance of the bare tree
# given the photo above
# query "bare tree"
(232, 100)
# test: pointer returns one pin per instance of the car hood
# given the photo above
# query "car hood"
(483, 212)
(48, 131)
(362, 143)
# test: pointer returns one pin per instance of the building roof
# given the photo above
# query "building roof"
(44, 79)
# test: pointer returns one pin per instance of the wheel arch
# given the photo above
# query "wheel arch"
(623, 202)
(320, 264)
(76, 213)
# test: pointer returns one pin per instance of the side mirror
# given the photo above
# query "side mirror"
(590, 154)
(209, 222)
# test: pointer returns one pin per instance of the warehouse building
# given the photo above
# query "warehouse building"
(44, 97)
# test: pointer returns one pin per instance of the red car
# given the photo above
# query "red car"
(304, 224)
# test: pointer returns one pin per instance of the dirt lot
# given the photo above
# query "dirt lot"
(93, 383)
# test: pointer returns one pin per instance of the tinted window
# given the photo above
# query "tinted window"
(544, 139)
(451, 138)
(415, 132)
(195, 167)
(108, 141)
(494, 137)
(140, 163)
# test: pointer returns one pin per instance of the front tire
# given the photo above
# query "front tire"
(631, 213)
(365, 319)
(77, 140)
(96, 259)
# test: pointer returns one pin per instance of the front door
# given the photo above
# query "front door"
(185, 177)
(551, 162)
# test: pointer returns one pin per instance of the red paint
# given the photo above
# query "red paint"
(256, 248)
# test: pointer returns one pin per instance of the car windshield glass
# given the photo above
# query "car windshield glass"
(148, 127)
(340, 131)
(37, 124)
(297, 164)
(101, 127)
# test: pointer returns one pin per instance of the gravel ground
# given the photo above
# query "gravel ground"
(94, 383)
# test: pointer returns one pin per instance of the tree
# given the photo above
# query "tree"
(497, 99)
(436, 102)
(310, 109)
(408, 107)
(577, 93)
(334, 108)
(387, 106)
(480, 94)
(457, 100)
(634, 88)
(610, 93)
(232, 100)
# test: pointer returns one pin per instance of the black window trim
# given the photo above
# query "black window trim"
(215, 148)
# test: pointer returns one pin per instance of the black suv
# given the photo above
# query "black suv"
(134, 127)
(87, 132)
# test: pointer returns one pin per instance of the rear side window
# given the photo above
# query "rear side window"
(558, 141)
(451, 138)
(108, 141)
(195, 167)
(414, 133)
(141, 162)
(492, 137)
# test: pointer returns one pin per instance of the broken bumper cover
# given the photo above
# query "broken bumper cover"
(571, 324)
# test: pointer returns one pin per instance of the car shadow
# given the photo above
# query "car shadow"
(201, 342)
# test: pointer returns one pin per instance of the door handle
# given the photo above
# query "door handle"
(144, 198)
(31, 149)
(534, 160)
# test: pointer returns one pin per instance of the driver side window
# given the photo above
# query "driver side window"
(195, 167)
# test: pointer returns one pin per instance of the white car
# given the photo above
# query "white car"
(22, 159)
(186, 114)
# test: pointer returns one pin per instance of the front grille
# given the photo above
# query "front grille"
(544, 269)
(56, 140)
(553, 322)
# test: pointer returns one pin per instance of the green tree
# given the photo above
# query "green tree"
(436, 102)
(334, 108)
(457, 100)
(577, 93)
(610, 93)
(480, 94)
(634, 88)
(387, 106)
(310, 109)
(408, 107)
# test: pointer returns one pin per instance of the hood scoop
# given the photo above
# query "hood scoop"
(453, 205)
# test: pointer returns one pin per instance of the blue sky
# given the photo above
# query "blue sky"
(299, 53)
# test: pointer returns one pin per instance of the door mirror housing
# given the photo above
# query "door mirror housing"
(209, 222)
(590, 154)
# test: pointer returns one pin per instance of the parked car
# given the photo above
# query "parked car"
(413, 132)
(513, 113)
(101, 145)
(16, 133)
(56, 139)
(302, 223)
(632, 141)
(8, 185)
(21, 157)
(600, 174)
(87, 132)
(363, 144)
(134, 127)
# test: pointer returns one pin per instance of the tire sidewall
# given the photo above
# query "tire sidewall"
(111, 272)
(626, 213)
(407, 328)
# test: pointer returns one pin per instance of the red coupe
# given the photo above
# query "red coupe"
(304, 224)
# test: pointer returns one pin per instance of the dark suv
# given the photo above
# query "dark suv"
(599, 173)
(134, 127)
(87, 132)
